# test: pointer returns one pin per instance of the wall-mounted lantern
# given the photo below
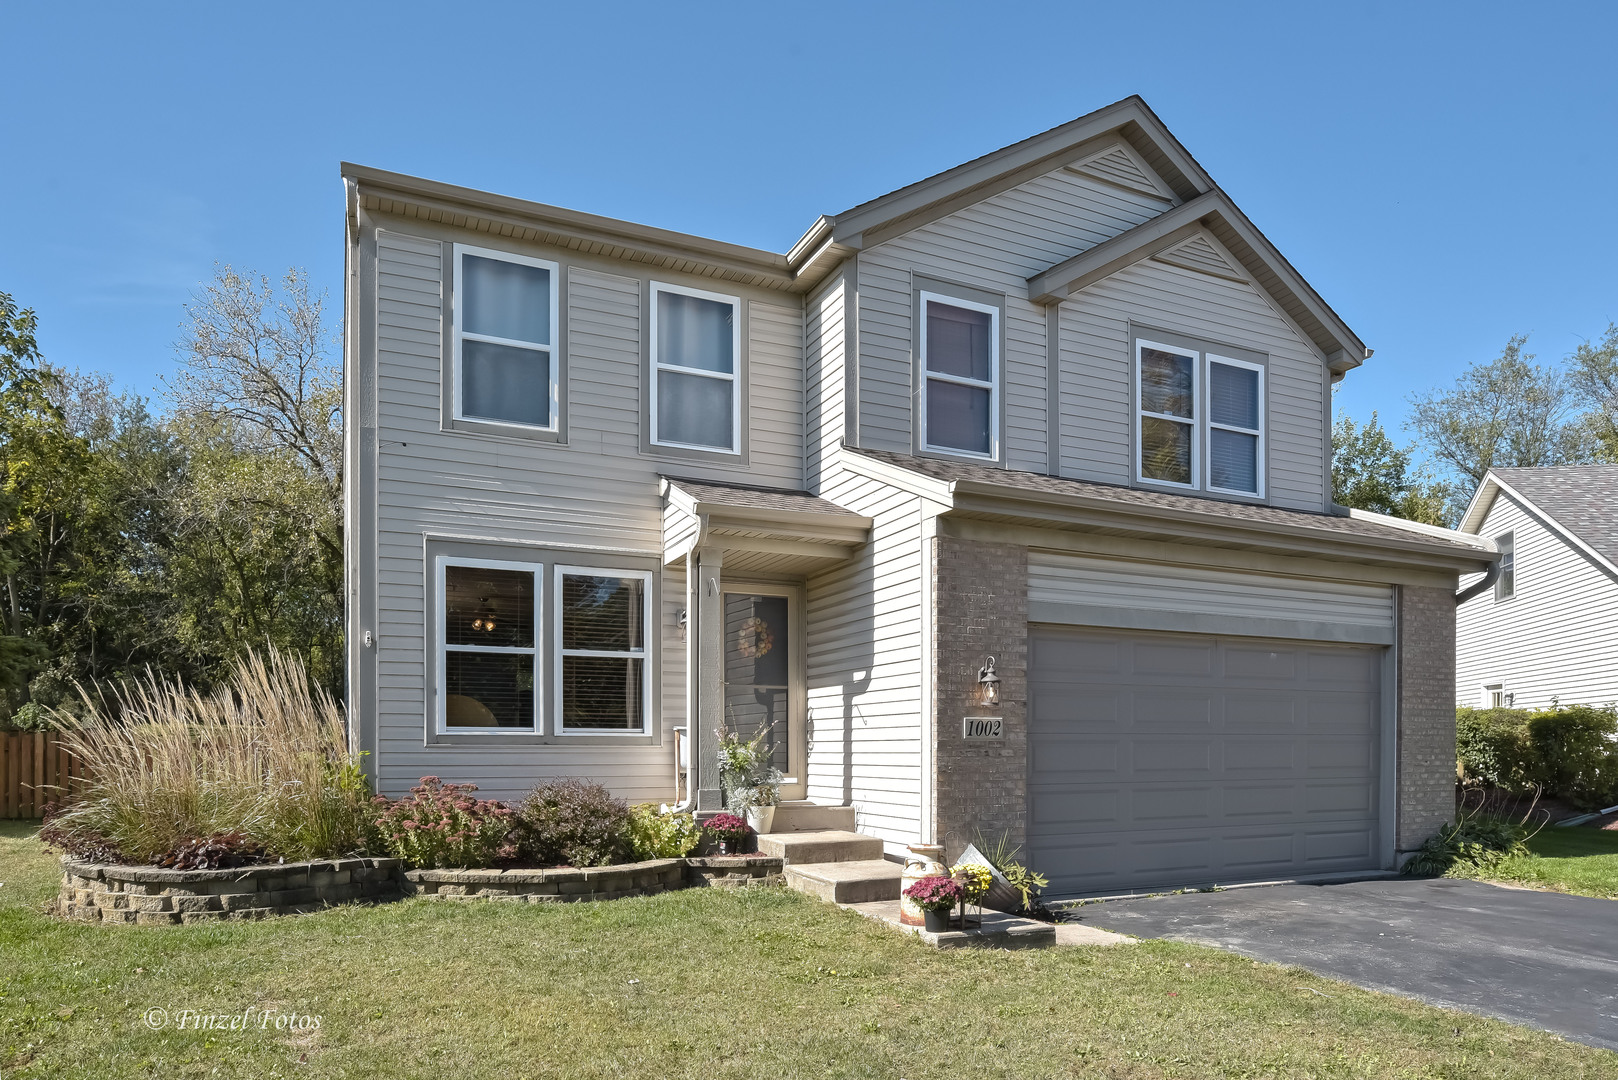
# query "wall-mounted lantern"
(988, 685)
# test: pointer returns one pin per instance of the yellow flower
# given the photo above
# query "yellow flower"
(974, 879)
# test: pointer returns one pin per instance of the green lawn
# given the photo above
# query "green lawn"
(1583, 861)
(701, 983)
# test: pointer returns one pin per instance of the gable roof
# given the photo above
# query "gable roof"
(1085, 143)
(1578, 501)
(974, 488)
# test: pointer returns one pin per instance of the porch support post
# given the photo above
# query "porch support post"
(705, 669)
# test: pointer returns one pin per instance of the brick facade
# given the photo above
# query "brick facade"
(980, 609)
(1426, 713)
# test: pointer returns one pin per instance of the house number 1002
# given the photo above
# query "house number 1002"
(982, 727)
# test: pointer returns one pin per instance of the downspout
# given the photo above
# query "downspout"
(1490, 576)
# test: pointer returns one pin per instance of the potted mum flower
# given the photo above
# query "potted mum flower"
(974, 881)
(729, 830)
(936, 896)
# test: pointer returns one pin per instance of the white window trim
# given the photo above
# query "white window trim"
(1507, 698)
(1201, 421)
(1194, 422)
(992, 386)
(1500, 596)
(461, 251)
(734, 377)
(1208, 425)
(648, 627)
(441, 645)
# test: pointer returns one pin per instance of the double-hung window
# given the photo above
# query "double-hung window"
(960, 400)
(695, 369)
(506, 367)
(1505, 586)
(489, 669)
(1201, 420)
(602, 619)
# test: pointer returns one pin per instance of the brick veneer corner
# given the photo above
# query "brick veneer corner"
(1426, 713)
(980, 609)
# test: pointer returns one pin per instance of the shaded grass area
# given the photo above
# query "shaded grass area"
(1576, 860)
(701, 983)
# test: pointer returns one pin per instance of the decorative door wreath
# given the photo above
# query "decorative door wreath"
(754, 639)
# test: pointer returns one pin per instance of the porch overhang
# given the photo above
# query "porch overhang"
(760, 530)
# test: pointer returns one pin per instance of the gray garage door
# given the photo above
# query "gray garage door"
(1177, 759)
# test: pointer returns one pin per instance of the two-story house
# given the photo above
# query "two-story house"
(1542, 630)
(1002, 499)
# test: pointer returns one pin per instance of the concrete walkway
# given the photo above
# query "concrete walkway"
(1542, 959)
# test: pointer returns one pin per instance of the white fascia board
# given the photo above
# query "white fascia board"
(925, 487)
(1555, 526)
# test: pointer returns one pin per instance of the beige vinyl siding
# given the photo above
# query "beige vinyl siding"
(1556, 638)
(596, 491)
(824, 376)
(865, 658)
(1096, 372)
(995, 245)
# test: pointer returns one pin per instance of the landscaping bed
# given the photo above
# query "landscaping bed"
(154, 895)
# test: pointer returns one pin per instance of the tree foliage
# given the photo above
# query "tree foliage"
(1370, 472)
(1594, 376)
(1508, 413)
(173, 542)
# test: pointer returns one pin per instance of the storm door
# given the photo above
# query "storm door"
(764, 687)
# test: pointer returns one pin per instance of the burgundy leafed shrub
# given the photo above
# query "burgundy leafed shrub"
(727, 828)
(218, 852)
(573, 822)
(441, 825)
(936, 893)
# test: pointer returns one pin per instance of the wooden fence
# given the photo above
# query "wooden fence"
(35, 769)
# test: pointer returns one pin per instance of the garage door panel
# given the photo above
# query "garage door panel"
(1173, 660)
(1077, 757)
(1222, 759)
(1155, 756)
(1263, 664)
(1177, 709)
(1253, 711)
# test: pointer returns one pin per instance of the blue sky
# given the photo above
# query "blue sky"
(1442, 173)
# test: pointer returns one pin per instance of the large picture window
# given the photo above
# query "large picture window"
(489, 668)
(960, 351)
(695, 370)
(506, 369)
(1200, 419)
(602, 618)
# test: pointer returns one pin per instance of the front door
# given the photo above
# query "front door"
(764, 685)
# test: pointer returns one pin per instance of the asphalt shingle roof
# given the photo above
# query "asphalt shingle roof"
(758, 497)
(1582, 498)
(1237, 512)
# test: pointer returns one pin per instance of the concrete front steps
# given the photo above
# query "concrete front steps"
(825, 857)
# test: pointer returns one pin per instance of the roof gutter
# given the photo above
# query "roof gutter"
(1490, 576)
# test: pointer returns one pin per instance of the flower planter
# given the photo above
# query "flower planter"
(761, 819)
(935, 922)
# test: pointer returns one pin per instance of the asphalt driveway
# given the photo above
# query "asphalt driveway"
(1536, 958)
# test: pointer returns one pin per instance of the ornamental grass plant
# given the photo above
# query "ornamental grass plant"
(265, 759)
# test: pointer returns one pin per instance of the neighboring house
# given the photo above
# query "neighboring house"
(610, 487)
(1544, 629)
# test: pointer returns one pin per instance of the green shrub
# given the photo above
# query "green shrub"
(440, 826)
(654, 835)
(573, 822)
(1569, 753)
(1471, 843)
(266, 757)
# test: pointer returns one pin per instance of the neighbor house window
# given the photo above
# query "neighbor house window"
(505, 339)
(1505, 586)
(960, 350)
(602, 684)
(489, 635)
(696, 360)
(1201, 420)
(1496, 696)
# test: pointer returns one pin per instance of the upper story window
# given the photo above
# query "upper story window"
(505, 339)
(1505, 586)
(696, 353)
(1201, 420)
(960, 387)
